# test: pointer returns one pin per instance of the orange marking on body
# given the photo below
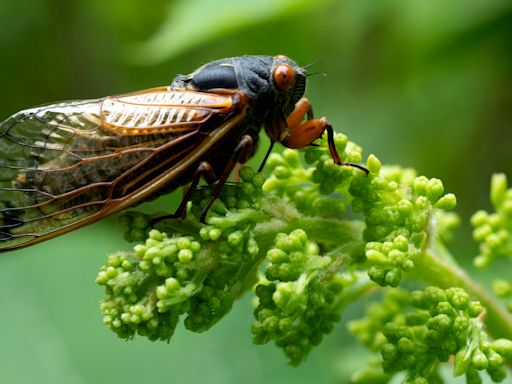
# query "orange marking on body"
(183, 98)
(162, 111)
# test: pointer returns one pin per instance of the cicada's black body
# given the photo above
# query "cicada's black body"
(66, 165)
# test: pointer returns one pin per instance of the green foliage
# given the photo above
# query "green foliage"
(296, 298)
(167, 277)
(309, 240)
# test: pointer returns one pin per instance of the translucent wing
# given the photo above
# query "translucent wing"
(66, 165)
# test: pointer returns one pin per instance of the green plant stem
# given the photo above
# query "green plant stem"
(320, 230)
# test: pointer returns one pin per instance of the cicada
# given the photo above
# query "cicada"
(69, 164)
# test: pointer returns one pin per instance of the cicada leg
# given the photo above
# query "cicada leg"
(303, 108)
(241, 153)
(205, 171)
(303, 133)
(269, 151)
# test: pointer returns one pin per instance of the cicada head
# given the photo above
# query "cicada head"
(289, 81)
(273, 85)
(269, 82)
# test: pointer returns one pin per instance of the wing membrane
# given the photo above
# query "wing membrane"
(68, 164)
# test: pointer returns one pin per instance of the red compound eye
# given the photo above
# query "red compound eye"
(284, 76)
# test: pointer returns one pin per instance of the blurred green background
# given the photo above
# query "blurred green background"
(423, 83)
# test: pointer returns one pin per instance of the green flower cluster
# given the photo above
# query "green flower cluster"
(166, 277)
(321, 189)
(400, 209)
(440, 324)
(309, 240)
(296, 298)
(149, 289)
(493, 232)
(301, 291)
